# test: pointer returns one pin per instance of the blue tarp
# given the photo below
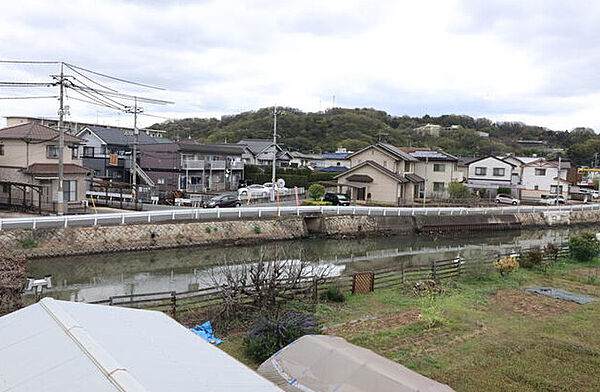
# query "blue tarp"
(561, 294)
(205, 331)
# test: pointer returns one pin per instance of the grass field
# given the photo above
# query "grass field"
(482, 333)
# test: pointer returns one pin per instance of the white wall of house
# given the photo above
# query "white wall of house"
(386, 160)
(490, 169)
(540, 178)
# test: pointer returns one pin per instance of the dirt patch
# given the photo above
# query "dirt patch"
(587, 272)
(531, 305)
(351, 329)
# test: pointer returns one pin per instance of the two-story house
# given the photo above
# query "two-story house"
(260, 152)
(491, 173)
(29, 156)
(438, 168)
(107, 151)
(381, 173)
(193, 167)
(540, 177)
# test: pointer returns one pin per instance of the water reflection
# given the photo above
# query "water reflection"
(96, 277)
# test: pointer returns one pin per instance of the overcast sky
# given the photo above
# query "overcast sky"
(531, 61)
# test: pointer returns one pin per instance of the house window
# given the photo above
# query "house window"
(74, 152)
(88, 152)
(540, 172)
(5, 188)
(536, 187)
(553, 189)
(1, 149)
(384, 163)
(480, 171)
(439, 167)
(438, 187)
(498, 172)
(52, 152)
(70, 190)
(406, 166)
(160, 181)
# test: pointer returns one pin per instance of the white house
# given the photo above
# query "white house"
(541, 177)
(492, 173)
(438, 168)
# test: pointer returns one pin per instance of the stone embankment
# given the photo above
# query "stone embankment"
(48, 242)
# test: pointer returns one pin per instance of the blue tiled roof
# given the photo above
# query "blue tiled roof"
(336, 155)
(334, 169)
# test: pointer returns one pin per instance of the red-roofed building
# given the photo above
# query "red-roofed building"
(29, 155)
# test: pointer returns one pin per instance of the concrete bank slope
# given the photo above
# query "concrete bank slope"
(49, 242)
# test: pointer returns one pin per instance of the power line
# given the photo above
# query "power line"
(32, 97)
(91, 80)
(28, 84)
(114, 78)
(28, 62)
(127, 96)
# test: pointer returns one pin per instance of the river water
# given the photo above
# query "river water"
(97, 277)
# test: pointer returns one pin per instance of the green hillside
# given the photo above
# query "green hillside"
(356, 128)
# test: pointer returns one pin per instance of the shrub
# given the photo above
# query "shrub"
(257, 229)
(531, 259)
(456, 190)
(316, 191)
(431, 315)
(504, 191)
(208, 230)
(583, 246)
(29, 243)
(333, 294)
(506, 265)
(315, 203)
(270, 334)
(551, 252)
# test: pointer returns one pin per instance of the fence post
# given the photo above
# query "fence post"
(402, 270)
(434, 270)
(315, 290)
(66, 221)
(33, 224)
(173, 304)
(110, 301)
(122, 219)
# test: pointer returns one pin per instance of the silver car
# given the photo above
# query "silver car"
(502, 198)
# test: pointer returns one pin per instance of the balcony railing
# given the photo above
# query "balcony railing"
(193, 164)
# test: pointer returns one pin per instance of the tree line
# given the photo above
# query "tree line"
(318, 132)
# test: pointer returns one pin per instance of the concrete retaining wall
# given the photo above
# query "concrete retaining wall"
(48, 242)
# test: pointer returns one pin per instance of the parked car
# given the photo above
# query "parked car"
(550, 199)
(254, 190)
(337, 199)
(595, 194)
(223, 201)
(502, 198)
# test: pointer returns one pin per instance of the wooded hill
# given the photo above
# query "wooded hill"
(356, 128)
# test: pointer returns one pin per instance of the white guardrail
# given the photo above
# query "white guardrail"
(264, 212)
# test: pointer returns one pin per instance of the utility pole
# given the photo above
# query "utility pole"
(136, 139)
(274, 171)
(62, 207)
(558, 179)
(136, 134)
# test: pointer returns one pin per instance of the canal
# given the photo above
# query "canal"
(97, 277)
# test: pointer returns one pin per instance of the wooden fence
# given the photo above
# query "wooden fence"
(357, 283)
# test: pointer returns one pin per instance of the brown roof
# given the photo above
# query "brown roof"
(359, 178)
(52, 168)
(34, 131)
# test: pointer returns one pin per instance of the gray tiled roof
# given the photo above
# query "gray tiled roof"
(232, 149)
(396, 151)
(35, 131)
(121, 137)
(256, 146)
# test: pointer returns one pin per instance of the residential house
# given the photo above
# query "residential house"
(108, 151)
(29, 157)
(73, 127)
(193, 167)
(338, 158)
(438, 168)
(260, 152)
(380, 173)
(491, 173)
(303, 160)
(463, 167)
(429, 129)
(542, 177)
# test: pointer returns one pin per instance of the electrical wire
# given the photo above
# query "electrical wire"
(90, 79)
(32, 97)
(115, 78)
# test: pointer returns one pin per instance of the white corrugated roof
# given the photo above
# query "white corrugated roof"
(69, 346)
